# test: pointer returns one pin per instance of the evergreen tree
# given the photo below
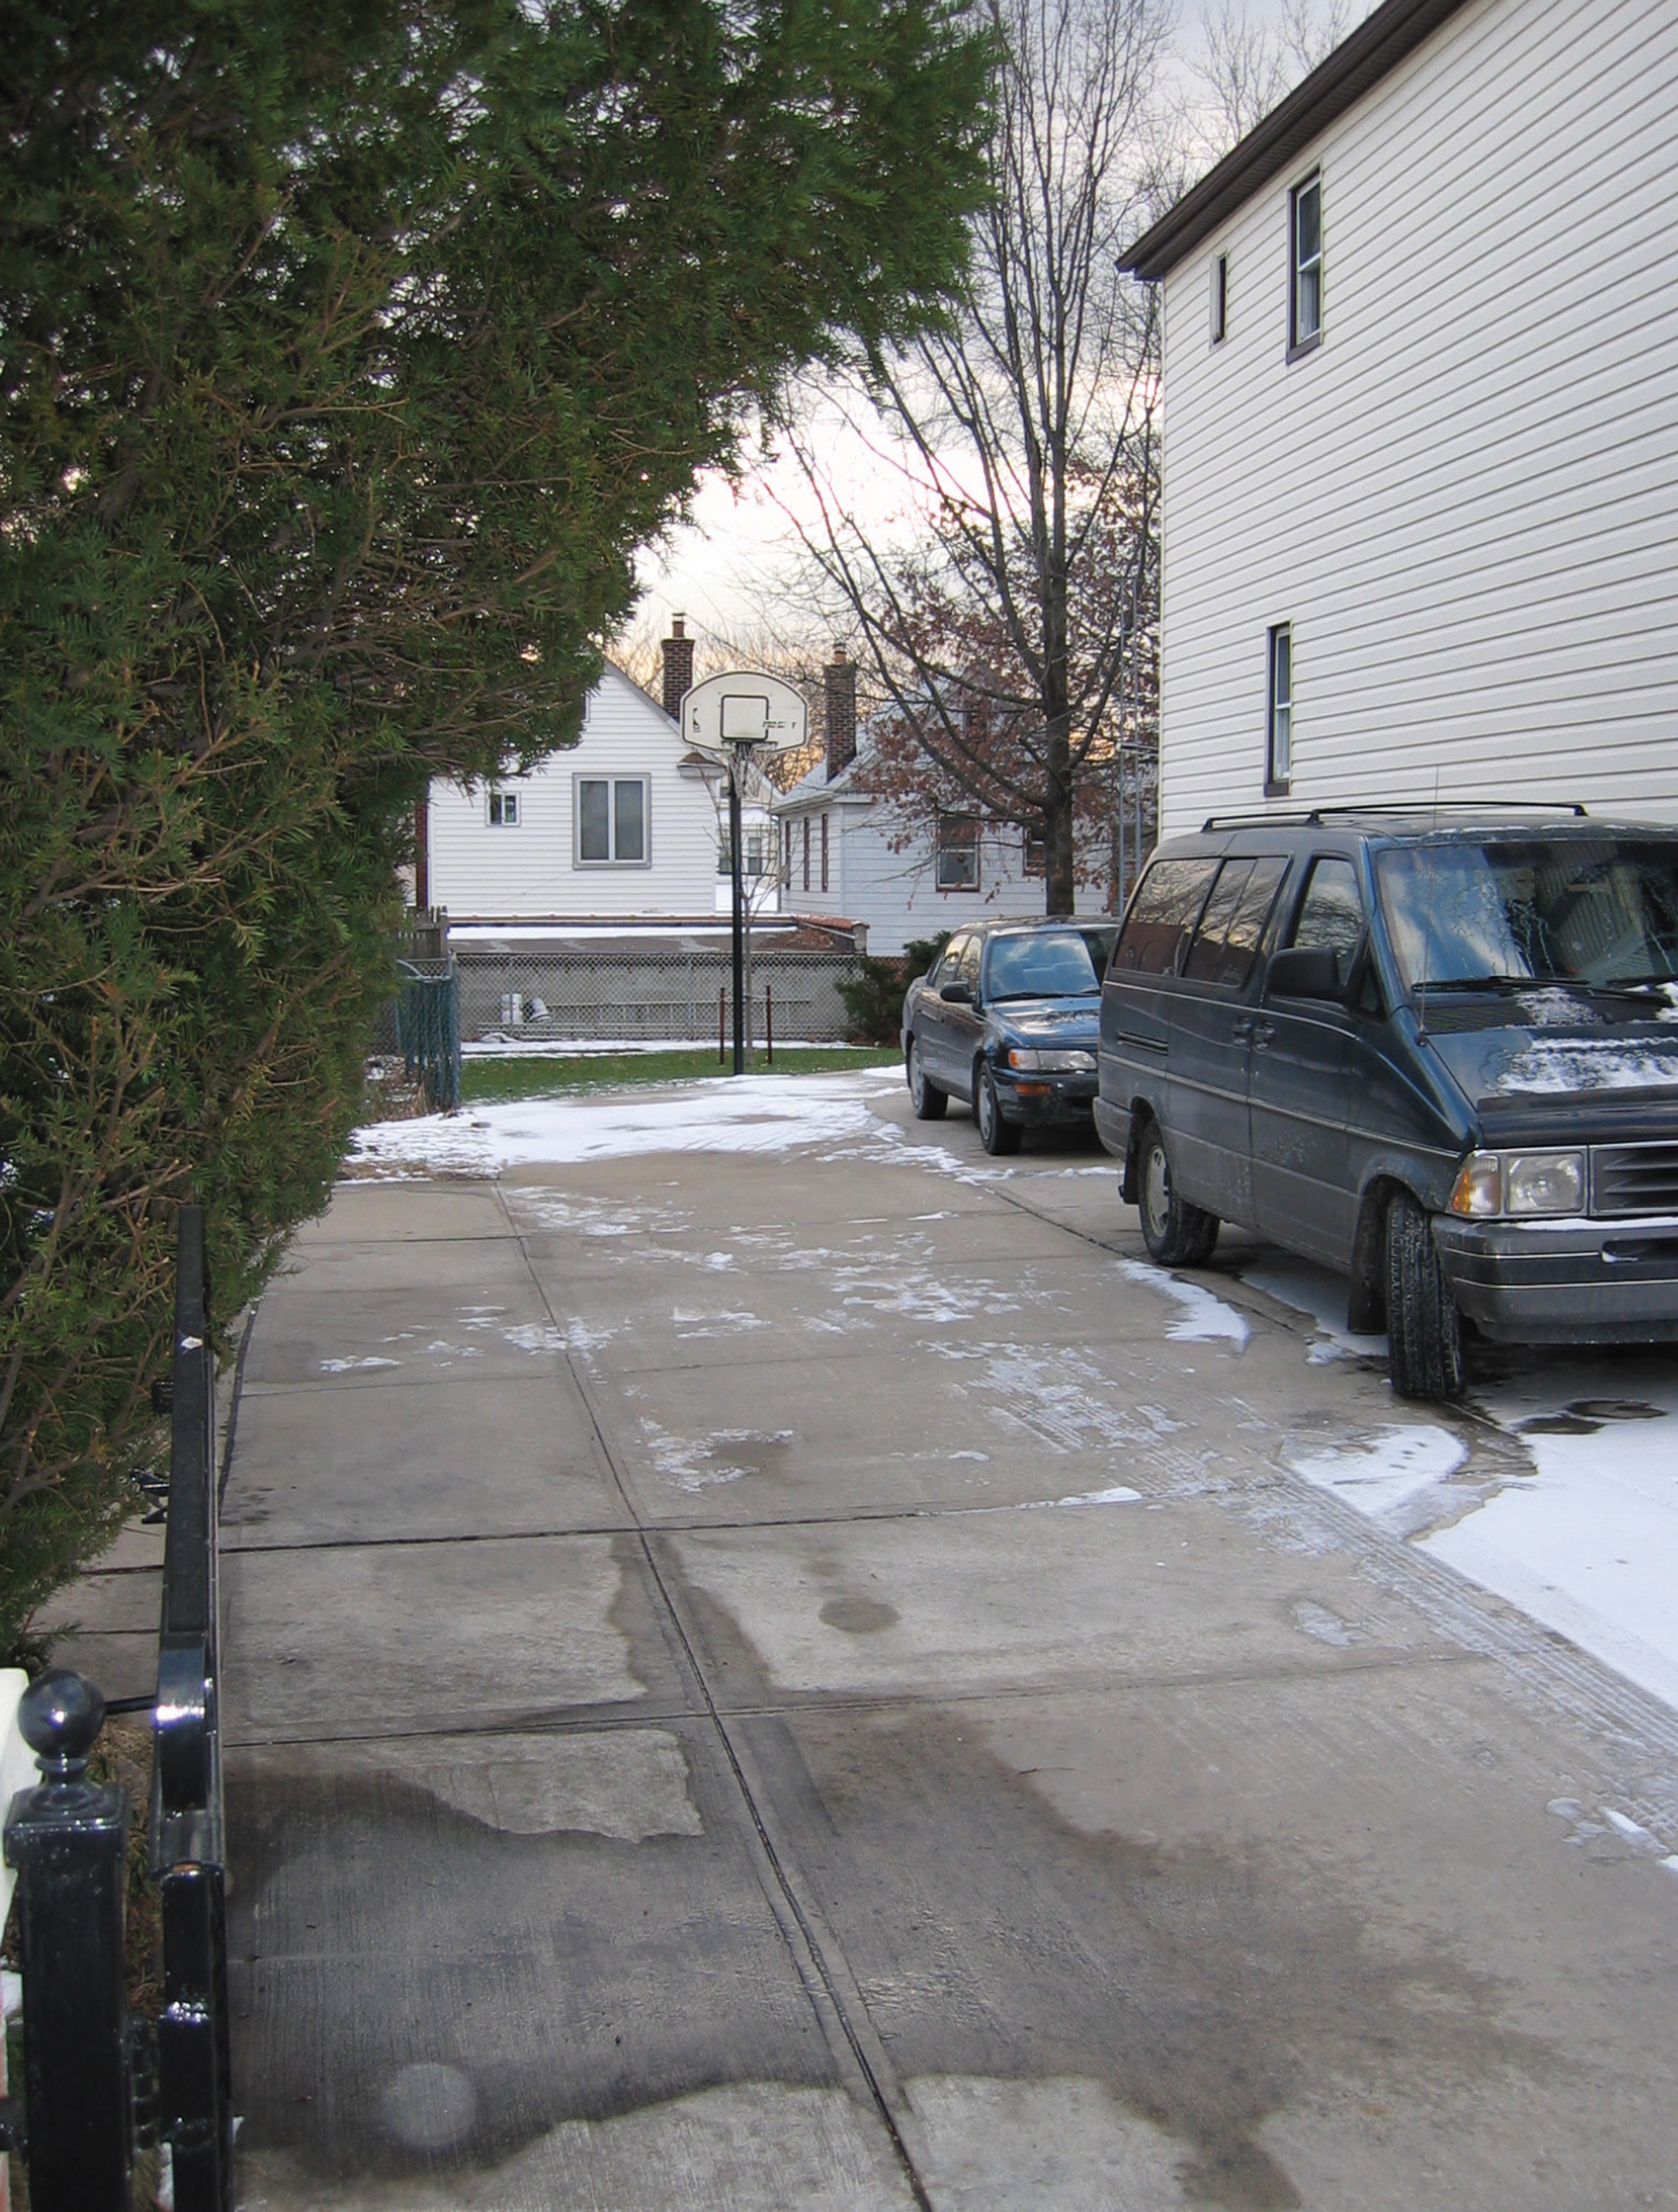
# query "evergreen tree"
(348, 352)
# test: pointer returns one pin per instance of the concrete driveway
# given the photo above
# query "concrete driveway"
(813, 1680)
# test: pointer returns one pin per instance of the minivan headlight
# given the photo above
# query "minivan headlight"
(1519, 1183)
(1544, 1182)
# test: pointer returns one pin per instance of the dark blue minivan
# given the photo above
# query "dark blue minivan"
(1437, 1049)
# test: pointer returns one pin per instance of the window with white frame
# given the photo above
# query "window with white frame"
(958, 852)
(1279, 714)
(1221, 297)
(1305, 281)
(502, 808)
(611, 827)
(824, 852)
(1034, 859)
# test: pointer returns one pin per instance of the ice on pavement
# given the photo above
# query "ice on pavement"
(1204, 1319)
(728, 1113)
(1589, 1546)
(1385, 1475)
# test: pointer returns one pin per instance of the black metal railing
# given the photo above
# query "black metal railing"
(95, 2082)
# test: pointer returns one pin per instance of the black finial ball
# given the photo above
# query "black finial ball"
(60, 1714)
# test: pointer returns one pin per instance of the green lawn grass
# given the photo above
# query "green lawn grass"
(484, 1081)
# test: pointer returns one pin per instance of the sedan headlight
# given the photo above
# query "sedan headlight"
(1519, 1183)
(1052, 1063)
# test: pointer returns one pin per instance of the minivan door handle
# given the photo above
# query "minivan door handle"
(1242, 1026)
(1262, 1033)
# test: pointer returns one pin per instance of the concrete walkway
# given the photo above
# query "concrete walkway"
(669, 1768)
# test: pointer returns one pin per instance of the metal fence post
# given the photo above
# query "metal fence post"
(194, 2072)
(68, 1839)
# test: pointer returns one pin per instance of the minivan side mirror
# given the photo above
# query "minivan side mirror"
(1305, 971)
(956, 994)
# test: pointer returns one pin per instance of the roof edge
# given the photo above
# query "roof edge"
(1355, 67)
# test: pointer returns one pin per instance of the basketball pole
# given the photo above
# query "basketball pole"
(739, 887)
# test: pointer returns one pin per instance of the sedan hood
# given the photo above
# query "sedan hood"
(1058, 1024)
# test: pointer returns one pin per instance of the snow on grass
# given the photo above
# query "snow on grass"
(725, 1114)
(1589, 1547)
(1320, 1292)
(1385, 1476)
(1206, 1319)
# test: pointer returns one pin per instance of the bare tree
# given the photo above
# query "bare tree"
(1248, 63)
(1002, 616)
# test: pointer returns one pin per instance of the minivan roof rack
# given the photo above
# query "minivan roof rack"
(1317, 814)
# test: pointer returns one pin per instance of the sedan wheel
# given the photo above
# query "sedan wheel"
(1177, 1234)
(927, 1102)
(996, 1135)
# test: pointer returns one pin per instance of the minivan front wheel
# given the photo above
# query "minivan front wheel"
(1423, 1328)
(1177, 1234)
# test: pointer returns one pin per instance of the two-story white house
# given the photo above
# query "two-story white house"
(626, 826)
(1421, 423)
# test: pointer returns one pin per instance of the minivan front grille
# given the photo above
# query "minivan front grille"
(1634, 1179)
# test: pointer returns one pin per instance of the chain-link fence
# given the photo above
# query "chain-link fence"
(655, 993)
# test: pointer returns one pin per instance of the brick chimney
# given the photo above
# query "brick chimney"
(840, 678)
(677, 650)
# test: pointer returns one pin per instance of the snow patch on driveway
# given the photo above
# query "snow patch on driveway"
(1206, 1319)
(729, 1113)
(1590, 1546)
(1320, 1292)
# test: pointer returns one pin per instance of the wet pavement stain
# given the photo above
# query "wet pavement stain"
(1207, 1992)
(860, 1616)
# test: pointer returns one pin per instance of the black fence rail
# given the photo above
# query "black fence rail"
(97, 2084)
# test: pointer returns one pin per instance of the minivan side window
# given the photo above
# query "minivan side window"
(1234, 921)
(1331, 913)
(967, 967)
(944, 967)
(1162, 915)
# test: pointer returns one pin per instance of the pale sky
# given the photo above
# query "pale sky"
(722, 570)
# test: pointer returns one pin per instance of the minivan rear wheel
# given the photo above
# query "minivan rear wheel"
(927, 1102)
(1177, 1234)
(1423, 1328)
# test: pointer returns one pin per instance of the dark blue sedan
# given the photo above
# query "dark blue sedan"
(1009, 1019)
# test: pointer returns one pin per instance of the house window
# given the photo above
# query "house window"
(1279, 714)
(1035, 860)
(1304, 287)
(958, 852)
(824, 852)
(503, 809)
(752, 847)
(807, 851)
(1220, 298)
(611, 821)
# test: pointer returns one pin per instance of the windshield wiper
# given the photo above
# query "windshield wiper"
(1483, 983)
(1089, 991)
(1635, 986)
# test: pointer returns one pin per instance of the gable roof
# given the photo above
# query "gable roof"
(1378, 44)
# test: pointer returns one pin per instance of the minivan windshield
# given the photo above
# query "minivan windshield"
(1047, 964)
(1601, 913)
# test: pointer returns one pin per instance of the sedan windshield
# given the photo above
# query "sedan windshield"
(1046, 965)
(1601, 913)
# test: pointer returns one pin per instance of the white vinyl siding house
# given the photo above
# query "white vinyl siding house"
(838, 863)
(1456, 499)
(616, 827)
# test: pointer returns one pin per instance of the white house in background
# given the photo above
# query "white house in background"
(1421, 423)
(623, 826)
(838, 864)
